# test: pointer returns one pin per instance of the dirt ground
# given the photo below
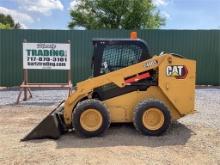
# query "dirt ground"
(195, 139)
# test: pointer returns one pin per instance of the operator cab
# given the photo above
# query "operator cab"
(113, 54)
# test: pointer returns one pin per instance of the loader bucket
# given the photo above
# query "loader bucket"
(51, 126)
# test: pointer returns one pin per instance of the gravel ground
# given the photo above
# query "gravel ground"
(40, 97)
(194, 139)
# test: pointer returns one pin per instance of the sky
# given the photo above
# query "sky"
(54, 14)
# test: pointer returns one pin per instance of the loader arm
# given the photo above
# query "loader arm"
(85, 88)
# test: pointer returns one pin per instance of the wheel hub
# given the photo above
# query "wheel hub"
(153, 119)
(91, 120)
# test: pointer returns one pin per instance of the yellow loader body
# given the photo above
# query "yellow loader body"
(177, 90)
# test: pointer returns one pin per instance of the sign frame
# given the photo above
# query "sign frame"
(26, 85)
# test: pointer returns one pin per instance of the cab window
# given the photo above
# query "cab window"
(119, 56)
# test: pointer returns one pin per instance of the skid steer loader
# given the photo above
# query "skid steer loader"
(128, 85)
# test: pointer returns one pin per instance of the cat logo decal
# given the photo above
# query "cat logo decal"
(177, 71)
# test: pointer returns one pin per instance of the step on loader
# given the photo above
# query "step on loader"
(128, 85)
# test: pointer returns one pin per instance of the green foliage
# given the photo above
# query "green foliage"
(7, 22)
(4, 26)
(115, 14)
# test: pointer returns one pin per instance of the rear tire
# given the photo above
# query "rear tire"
(151, 117)
(91, 118)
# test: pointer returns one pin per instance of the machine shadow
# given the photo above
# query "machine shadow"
(126, 135)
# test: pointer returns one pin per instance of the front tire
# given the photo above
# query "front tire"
(151, 117)
(91, 118)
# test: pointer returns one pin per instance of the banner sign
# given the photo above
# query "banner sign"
(46, 56)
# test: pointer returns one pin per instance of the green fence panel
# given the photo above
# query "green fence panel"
(201, 45)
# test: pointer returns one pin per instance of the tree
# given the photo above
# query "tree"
(115, 14)
(7, 22)
(17, 26)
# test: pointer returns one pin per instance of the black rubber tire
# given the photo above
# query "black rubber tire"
(83, 106)
(144, 106)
